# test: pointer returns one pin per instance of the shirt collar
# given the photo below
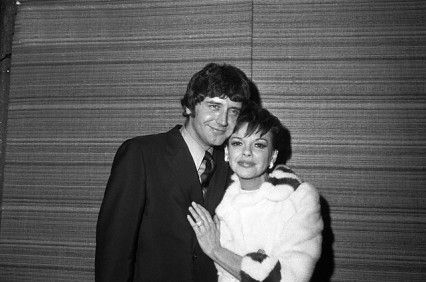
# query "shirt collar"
(196, 150)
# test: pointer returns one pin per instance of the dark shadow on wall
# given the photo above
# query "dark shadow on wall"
(325, 266)
(255, 95)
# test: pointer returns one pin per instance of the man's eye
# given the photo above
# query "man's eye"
(214, 107)
(235, 112)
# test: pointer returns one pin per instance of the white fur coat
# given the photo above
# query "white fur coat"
(281, 221)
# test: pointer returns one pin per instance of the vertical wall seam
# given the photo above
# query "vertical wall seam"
(251, 41)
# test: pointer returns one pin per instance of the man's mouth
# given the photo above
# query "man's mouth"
(220, 131)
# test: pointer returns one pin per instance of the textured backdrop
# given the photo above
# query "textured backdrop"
(346, 77)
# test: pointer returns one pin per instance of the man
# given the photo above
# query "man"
(142, 233)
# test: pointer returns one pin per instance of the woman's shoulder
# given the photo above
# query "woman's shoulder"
(283, 175)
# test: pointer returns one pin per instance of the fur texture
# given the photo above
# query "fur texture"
(282, 218)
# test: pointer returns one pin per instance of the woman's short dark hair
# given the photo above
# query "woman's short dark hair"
(260, 120)
(216, 80)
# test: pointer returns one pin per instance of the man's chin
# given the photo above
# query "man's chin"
(218, 142)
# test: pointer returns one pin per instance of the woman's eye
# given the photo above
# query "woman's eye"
(260, 145)
(235, 143)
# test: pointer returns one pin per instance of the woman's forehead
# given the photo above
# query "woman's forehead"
(257, 133)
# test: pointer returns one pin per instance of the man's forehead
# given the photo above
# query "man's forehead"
(224, 100)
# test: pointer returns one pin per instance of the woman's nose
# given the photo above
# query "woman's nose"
(247, 151)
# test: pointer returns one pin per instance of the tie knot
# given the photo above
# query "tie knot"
(208, 158)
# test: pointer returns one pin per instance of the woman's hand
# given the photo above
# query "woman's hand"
(205, 228)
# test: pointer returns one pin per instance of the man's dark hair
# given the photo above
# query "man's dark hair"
(260, 120)
(215, 80)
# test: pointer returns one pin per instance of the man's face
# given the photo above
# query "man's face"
(213, 121)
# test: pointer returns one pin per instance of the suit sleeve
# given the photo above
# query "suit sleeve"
(299, 248)
(120, 216)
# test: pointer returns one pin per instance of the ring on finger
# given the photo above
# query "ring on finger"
(199, 223)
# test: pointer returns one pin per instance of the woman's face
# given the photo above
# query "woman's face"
(250, 156)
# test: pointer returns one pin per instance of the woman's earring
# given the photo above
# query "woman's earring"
(273, 159)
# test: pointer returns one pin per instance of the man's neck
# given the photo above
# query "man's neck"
(194, 136)
(196, 150)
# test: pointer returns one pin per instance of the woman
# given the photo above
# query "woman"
(268, 226)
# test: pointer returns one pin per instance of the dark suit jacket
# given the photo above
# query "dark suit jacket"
(142, 232)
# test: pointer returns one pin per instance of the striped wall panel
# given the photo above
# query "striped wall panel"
(348, 79)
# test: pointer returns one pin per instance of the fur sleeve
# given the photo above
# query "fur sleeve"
(259, 267)
(299, 247)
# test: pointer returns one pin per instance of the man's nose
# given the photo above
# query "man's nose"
(222, 118)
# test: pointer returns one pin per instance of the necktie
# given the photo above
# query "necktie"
(208, 172)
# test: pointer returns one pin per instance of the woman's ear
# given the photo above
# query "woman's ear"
(273, 159)
(226, 154)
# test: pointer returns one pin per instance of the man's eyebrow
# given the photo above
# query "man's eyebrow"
(214, 102)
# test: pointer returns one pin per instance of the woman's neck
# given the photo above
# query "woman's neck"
(252, 184)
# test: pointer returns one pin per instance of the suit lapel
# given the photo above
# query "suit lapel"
(182, 168)
(185, 174)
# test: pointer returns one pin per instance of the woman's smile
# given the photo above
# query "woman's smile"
(246, 164)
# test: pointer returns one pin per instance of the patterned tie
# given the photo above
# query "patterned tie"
(207, 173)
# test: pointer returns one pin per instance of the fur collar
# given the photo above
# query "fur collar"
(281, 184)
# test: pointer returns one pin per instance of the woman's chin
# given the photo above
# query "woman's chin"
(248, 175)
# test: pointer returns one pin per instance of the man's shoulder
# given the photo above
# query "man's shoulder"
(144, 140)
(151, 140)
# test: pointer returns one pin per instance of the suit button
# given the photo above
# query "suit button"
(194, 256)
